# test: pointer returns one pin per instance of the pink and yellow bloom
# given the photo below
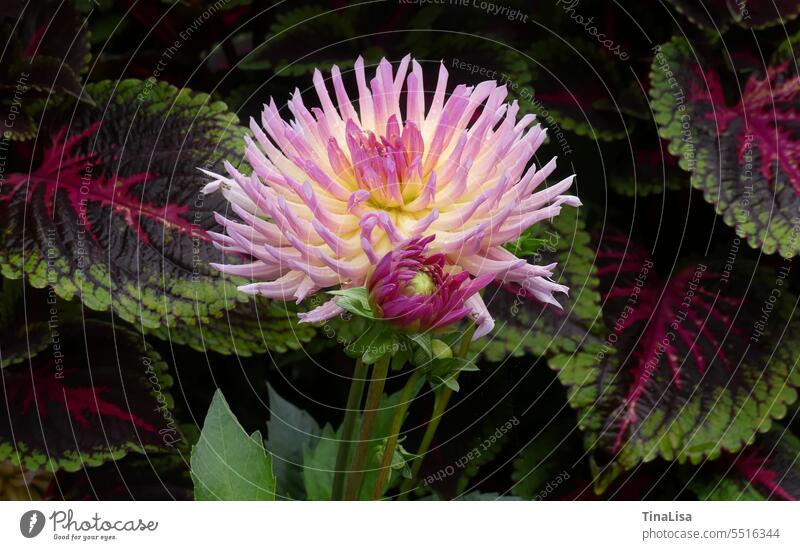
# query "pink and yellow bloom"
(341, 185)
(415, 291)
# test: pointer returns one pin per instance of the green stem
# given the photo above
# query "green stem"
(394, 434)
(466, 340)
(374, 394)
(350, 414)
(441, 398)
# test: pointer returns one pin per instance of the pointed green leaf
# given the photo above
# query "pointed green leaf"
(227, 464)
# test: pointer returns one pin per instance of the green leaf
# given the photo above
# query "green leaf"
(289, 430)
(226, 463)
(383, 344)
(355, 300)
(319, 461)
(401, 459)
(527, 244)
(424, 342)
(373, 343)
(445, 371)
(451, 383)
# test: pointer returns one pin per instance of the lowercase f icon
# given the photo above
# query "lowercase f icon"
(31, 523)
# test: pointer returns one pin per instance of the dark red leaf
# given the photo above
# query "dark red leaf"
(95, 393)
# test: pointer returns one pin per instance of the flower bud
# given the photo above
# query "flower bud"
(414, 290)
(440, 349)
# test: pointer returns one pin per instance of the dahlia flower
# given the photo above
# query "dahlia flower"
(415, 291)
(339, 186)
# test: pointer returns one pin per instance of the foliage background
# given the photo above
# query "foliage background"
(144, 92)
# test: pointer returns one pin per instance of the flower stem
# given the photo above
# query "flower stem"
(350, 413)
(394, 434)
(466, 340)
(441, 398)
(374, 394)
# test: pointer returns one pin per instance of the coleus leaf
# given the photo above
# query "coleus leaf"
(55, 30)
(743, 157)
(255, 327)
(526, 326)
(719, 14)
(689, 368)
(78, 404)
(18, 340)
(156, 476)
(23, 126)
(47, 51)
(767, 470)
(113, 211)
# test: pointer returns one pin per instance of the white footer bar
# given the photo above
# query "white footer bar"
(402, 525)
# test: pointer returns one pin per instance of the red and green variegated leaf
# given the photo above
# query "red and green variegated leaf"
(526, 326)
(709, 14)
(719, 14)
(255, 327)
(18, 341)
(743, 157)
(54, 29)
(690, 368)
(113, 211)
(22, 125)
(155, 476)
(47, 51)
(767, 470)
(95, 394)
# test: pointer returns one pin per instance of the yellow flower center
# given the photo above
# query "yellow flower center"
(421, 284)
